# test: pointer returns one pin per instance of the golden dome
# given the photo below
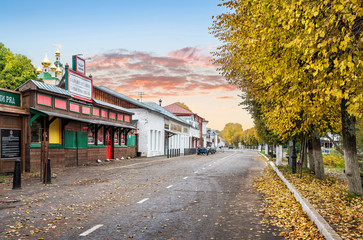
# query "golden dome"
(53, 67)
(57, 53)
(58, 70)
(46, 62)
(39, 70)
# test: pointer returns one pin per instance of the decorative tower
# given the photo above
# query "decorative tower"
(46, 63)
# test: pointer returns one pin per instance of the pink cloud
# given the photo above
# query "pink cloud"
(226, 98)
(186, 71)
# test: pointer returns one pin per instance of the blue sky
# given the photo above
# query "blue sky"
(146, 33)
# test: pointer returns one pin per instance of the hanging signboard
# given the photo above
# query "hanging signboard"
(10, 143)
(79, 65)
(80, 86)
(9, 98)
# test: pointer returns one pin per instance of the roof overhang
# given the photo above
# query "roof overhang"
(87, 120)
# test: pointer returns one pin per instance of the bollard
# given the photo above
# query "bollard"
(17, 175)
(48, 176)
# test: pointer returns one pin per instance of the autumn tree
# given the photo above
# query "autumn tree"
(230, 133)
(300, 60)
(183, 105)
(14, 69)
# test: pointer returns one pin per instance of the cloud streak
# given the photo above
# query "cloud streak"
(183, 72)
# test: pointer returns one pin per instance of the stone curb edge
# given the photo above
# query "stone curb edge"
(325, 229)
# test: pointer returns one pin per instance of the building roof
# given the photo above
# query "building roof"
(178, 110)
(124, 97)
(47, 87)
(47, 76)
(166, 112)
(97, 101)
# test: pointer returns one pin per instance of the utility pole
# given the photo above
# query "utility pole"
(141, 94)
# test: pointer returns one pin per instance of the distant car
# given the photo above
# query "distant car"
(230, 147)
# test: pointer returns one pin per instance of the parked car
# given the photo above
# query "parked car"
(202, 150)
(230, 147)
(212, 150)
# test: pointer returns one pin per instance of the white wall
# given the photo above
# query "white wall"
(151, 132)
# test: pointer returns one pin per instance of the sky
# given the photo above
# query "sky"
(161, 48)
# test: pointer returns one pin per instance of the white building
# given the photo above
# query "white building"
(204, 133)
(194, 132)
(177, 131)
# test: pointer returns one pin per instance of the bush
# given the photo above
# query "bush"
(334, 160)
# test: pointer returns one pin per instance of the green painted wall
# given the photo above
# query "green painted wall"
(131, 140)
(74, 139)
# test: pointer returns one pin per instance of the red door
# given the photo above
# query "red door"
(109, 144)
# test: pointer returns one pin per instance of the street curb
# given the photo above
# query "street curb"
(325, 229)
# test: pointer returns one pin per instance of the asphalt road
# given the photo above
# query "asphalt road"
(191, 197)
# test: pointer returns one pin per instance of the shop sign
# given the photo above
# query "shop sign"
(10, 143)
(79, 65)
(9, 98)
(80, 86)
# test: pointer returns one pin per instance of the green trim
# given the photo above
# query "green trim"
(59, 146)
(55, 145)
(34, 145)
(34, 118)
(96, 146)
(120, 146)
(66, 77)
(51, 100)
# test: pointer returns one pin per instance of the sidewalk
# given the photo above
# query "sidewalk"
(325, 229)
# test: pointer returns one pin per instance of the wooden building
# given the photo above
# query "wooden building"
(13, 117)
(79, 130)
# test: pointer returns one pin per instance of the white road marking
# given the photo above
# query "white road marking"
(185, 178)
(210, 165)
(143, 200)
(90, 230)
(169, 186)
(196, 172)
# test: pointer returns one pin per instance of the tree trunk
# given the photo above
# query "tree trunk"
(279, 155)
(334, 143)
(318, 156)
(311, 155)
(350, 151)
(305, 159)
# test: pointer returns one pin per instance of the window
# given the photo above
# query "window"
(112, 115)
(44, 100)
(74, 107)
(96, 111)
(122, 138)
(61, 104)
(116, 136)
(100, 136)
(127, 118)
(36, 131)
(91, 134)
(104, 113)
